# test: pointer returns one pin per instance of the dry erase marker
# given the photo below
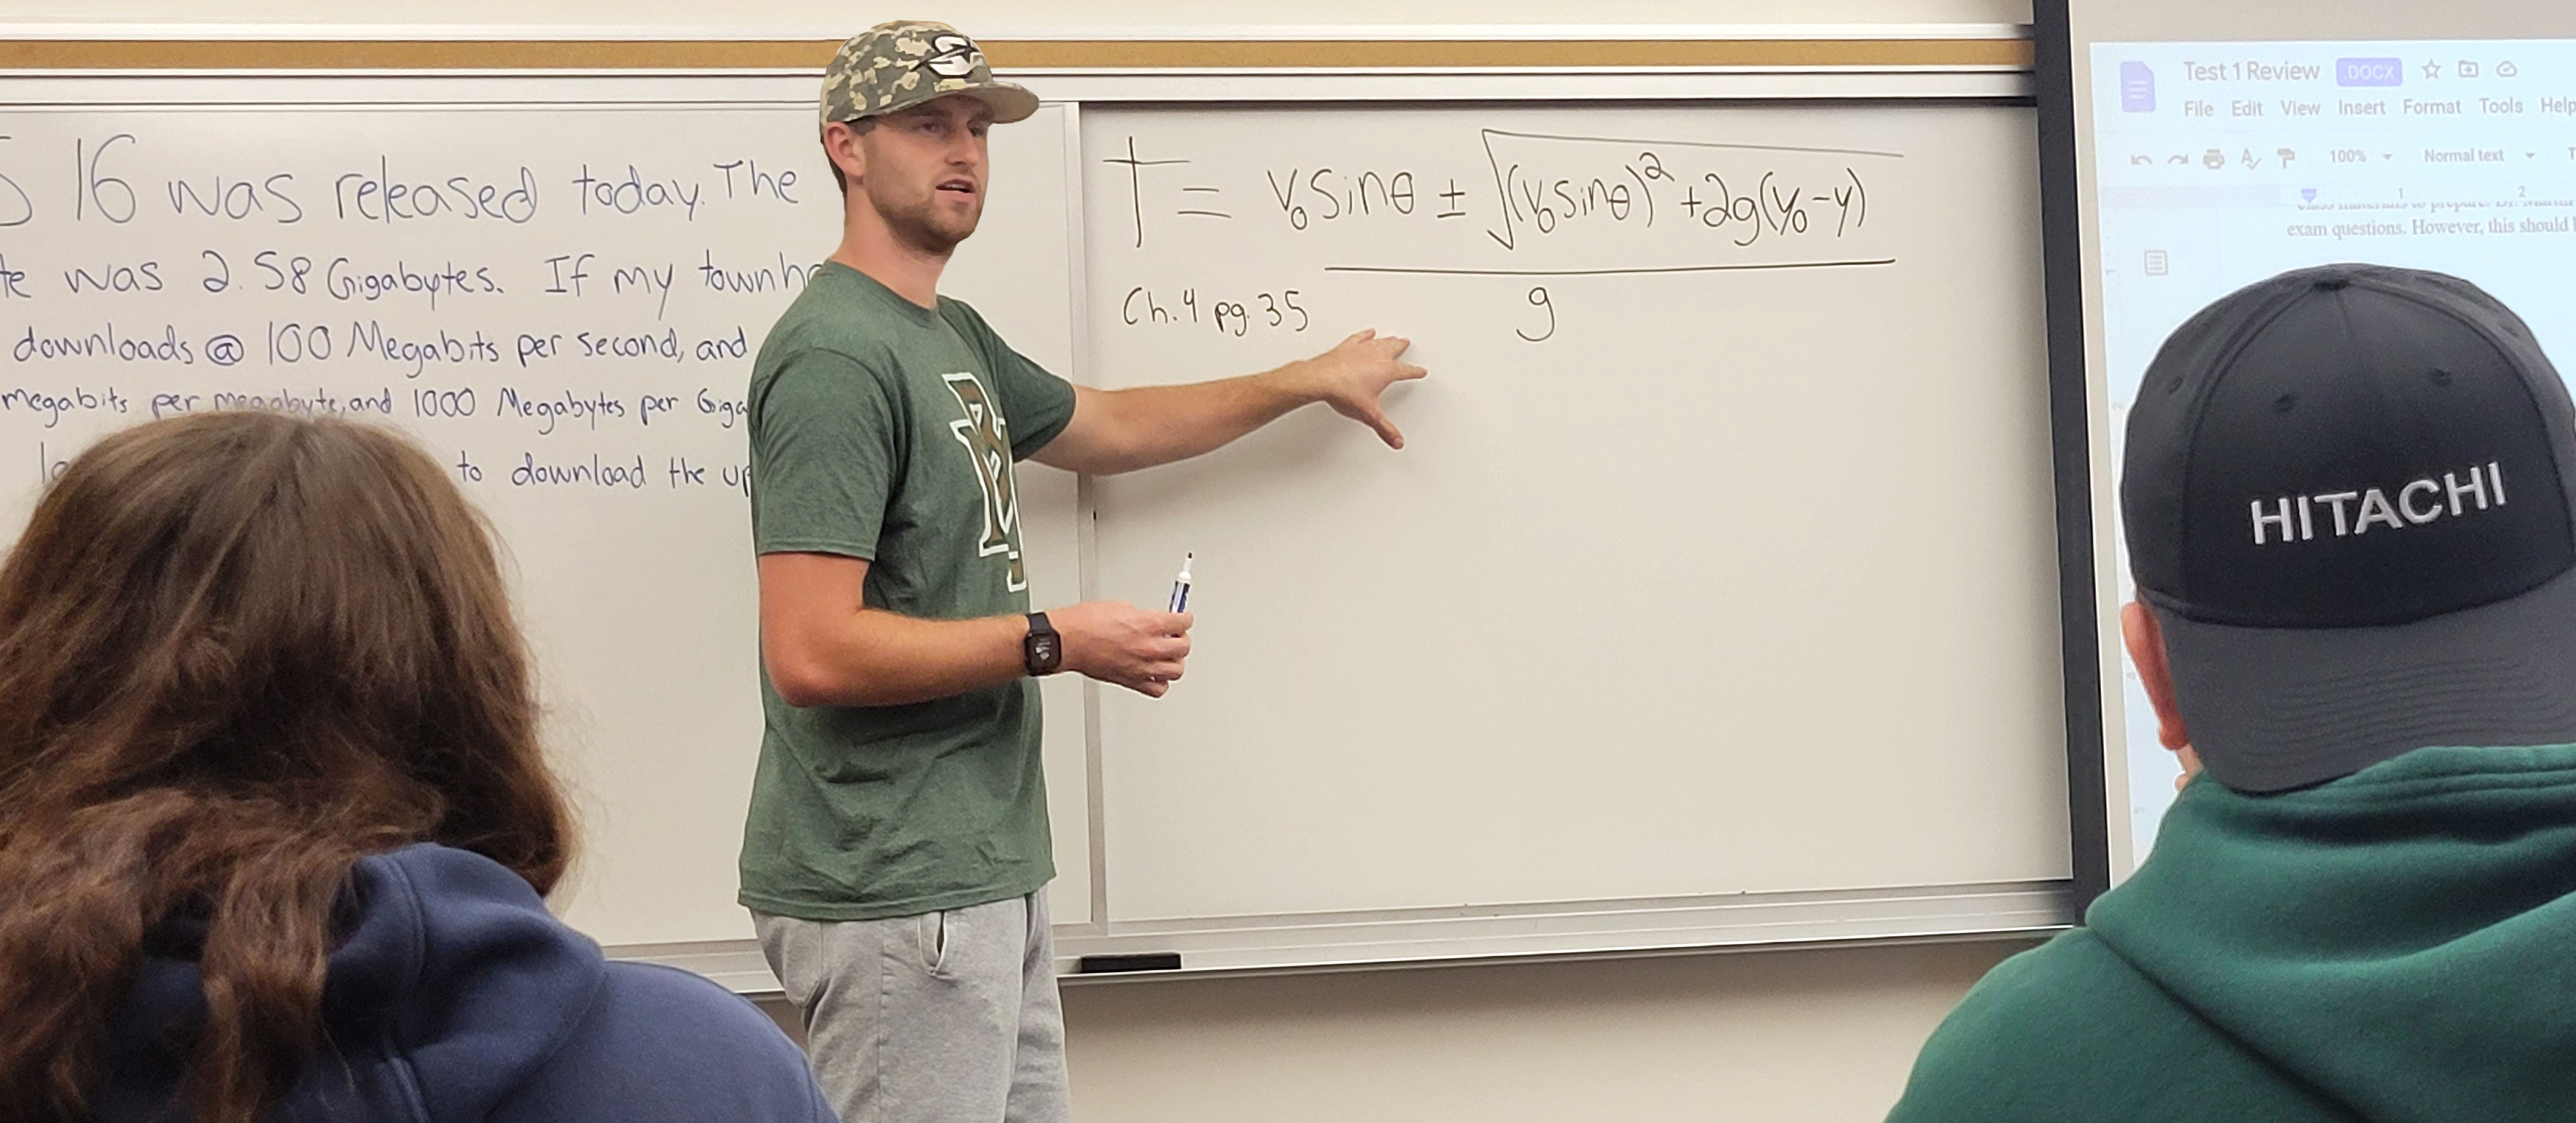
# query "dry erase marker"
(1181, 585)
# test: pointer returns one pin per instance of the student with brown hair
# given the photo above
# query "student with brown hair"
(274, 821)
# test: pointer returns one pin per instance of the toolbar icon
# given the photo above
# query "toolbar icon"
(2432, 70)
(2507, 69)
(2159, 263)
(2288, 156)
(2468, 69)
(2214, 160)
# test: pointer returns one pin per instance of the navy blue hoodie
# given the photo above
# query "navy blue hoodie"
(455, 997)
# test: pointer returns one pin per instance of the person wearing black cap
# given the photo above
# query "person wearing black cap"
(2350, 502)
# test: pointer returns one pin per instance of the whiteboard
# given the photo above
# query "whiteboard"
(556, 285)
(1735, 443)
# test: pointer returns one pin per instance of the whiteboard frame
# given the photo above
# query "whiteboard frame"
(2087, 586)
(1556, 930)
(1677, 925)
(1389, 938)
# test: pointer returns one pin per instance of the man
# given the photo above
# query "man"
(897, 840)
(2350, 497)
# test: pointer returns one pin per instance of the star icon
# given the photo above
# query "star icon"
(2432, 70)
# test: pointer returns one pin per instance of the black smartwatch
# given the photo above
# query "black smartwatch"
(1043, 650)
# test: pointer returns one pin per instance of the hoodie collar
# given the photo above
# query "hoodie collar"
(451, 985)
(2402, 940)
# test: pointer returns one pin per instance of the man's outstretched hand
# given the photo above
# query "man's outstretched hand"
(1354, 375)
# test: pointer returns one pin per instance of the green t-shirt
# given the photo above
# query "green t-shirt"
(886, 431)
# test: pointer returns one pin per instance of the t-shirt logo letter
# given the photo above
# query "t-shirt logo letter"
(981, 431)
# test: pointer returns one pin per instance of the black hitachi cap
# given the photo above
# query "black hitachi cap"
(2347, 494)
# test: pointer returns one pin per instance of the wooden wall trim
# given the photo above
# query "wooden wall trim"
(1020, 55)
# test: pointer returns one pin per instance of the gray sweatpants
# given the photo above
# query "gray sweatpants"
(946, 1017)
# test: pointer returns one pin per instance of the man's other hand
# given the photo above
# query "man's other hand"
(1117, 642)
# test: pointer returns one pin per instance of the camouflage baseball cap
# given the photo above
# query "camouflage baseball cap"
(902, 64)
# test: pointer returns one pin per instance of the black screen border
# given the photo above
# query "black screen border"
(2070, 421)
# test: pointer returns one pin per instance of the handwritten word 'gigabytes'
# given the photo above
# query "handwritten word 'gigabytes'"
(347, 280)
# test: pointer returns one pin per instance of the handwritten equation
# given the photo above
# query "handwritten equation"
(1538, 186)
(1543, 205)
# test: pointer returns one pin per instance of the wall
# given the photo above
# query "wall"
(1773, 1036)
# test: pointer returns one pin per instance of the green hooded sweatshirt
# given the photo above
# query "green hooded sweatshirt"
(2397, 946)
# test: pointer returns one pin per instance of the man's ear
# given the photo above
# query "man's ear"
(841, 145)
(2145, 640)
